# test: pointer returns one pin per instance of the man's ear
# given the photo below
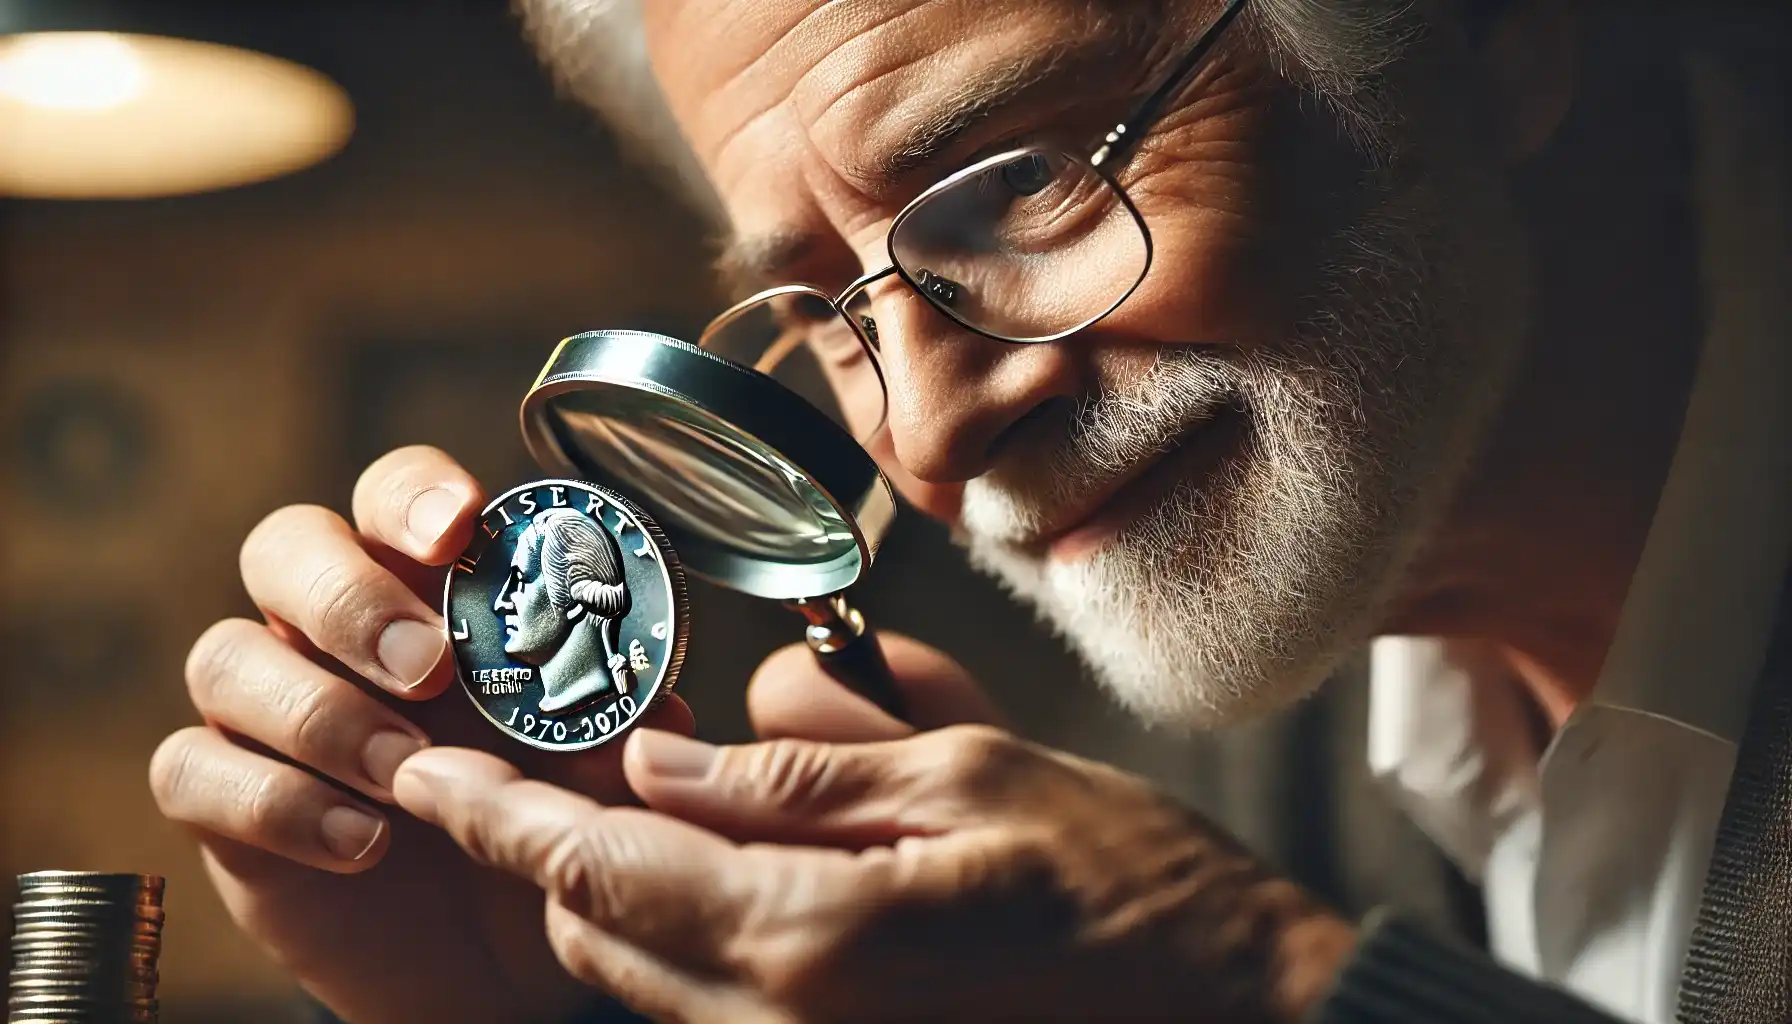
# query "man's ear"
(1530, 59)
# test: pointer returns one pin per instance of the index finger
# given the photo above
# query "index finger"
(419, 501)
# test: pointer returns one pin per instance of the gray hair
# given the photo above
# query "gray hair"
(579, 563)
(1335, 49)
(597, 52)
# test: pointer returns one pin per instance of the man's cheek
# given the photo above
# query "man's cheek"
(1212, 280)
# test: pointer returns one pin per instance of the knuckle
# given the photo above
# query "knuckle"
(270, 536)
(574, 870)
(337, 602)
(570, 871)
(980, 760)
(474, 824)
(382, 474)
(568, 865)
(310, 725)
(265, 806)
(391, 476)
(786, 774)
(217, 657)
(384, 467)
(483, 826)
(1027, 864)
(171, 767)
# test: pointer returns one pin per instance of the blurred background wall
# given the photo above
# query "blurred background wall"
(171, 370)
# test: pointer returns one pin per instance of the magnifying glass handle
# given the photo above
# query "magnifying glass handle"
(848, 651)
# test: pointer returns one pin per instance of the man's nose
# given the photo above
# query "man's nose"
(954, 394)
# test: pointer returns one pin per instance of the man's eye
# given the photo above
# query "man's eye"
(808, 308)
(1028, 175)
(832, 340)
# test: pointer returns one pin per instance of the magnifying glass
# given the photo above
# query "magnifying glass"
(739, 449)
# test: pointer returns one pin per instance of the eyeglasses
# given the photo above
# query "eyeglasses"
(1028, 246)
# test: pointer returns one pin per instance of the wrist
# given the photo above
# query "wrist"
(605, 1009)
(1311, 953)
(1262, 950)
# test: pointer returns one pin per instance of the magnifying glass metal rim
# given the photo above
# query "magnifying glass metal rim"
(803, 439)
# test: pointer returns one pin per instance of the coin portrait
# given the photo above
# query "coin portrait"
(566, 613)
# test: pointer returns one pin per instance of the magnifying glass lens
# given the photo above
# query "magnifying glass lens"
(827, 355)
(752, 484)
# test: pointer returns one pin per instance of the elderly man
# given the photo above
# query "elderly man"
(1419, 357)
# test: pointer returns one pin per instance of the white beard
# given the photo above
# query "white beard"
(1240, 591)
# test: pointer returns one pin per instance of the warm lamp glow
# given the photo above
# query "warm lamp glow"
(98, 115)
(70, 71)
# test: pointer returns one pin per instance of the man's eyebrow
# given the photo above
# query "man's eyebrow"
(1114, 42)
(997, 90)
(750, 263)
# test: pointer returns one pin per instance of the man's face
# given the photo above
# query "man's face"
(1213, 491)
(533, 627)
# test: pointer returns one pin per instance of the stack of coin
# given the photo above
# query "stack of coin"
(84, 948)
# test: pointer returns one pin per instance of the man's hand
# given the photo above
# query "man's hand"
(960, 874)
(378, 915)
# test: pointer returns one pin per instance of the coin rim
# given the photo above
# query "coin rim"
(681, 617)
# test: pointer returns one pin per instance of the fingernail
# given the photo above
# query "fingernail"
(409, 650)
(384, 752)
(431, 514)
(669, 755)
(350, 832)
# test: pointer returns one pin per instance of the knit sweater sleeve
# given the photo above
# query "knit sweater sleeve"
(1400, 974)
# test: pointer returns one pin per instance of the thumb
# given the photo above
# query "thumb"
(791, 695)
(799, 792)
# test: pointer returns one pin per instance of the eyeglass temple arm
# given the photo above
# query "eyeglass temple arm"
(1119, 142)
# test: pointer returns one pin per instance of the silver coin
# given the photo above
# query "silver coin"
(113, 887)
(567, 614)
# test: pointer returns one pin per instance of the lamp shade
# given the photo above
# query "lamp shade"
(87, 112)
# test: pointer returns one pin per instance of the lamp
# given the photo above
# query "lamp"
(97, 103)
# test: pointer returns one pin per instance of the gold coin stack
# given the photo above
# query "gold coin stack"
(84, 948)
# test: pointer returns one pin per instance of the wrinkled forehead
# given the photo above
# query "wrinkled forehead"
(757, 84)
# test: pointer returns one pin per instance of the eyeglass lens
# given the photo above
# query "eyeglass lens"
(1029, 246)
